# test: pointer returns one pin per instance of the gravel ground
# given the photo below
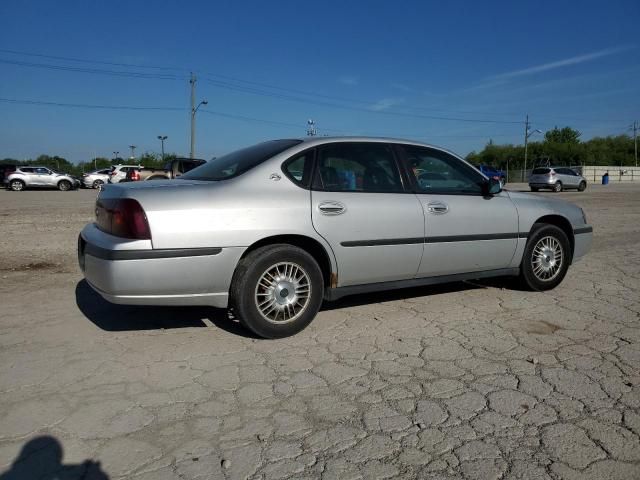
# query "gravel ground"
(468, 380)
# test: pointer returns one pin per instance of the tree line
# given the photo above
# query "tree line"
(56, 162)
(560, 146)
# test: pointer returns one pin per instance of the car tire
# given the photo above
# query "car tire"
(534, 189)
(16, 185)
(64, 185)
(557, 187)
(98, 184)
(582, 187)
(261, 290)
(546, 258)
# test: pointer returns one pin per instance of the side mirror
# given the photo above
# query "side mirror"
(492, 187)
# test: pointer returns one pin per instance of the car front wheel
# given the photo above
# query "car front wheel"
(546, 257)
(64, 185)
(277, 290)
(582, 187)
(98, 184)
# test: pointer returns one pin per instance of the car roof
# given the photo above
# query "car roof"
(316, 141)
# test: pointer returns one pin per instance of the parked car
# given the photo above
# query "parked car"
(556, 179)
(173, 169)
(119, 172)
(96, 178)
(40, 177)
(492, 172)
(276, 228)
(5, 171)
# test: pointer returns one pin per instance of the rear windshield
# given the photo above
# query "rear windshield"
(541, 171)
(240, 161)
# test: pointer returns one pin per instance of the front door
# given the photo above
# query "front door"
(361, 207)
(465, 231)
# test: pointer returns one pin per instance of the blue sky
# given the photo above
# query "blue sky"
(454, 73)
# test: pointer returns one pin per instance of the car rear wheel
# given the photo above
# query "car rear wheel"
(546, 257)
(98, 184)
(64, 185)
(557, 187)
(277, 290)
(534, 189)
(16, 185)
(582, 187)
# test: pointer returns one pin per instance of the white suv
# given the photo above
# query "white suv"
(119, 172)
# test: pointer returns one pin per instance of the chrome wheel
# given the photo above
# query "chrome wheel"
(547, 258)
(282, 293)
(17, 185)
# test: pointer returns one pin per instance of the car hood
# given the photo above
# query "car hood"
(530, 205)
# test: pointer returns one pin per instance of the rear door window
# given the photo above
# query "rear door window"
(357, 167)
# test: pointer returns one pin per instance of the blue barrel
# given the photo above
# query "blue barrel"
(605, 179)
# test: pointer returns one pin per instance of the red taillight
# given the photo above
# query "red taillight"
(122, 218)
(135, 176)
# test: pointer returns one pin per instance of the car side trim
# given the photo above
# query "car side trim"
(384, 241)
(106, 254)
(332, 294)
(441, 239)
(578, 231)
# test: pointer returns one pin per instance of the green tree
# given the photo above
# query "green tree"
(562, 135)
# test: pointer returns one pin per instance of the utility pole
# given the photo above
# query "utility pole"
(194, 109)
(162, 138)
(526, 146)
(527, 134)
(635, 140)
(133, 150)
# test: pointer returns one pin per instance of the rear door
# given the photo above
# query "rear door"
(361, 207)
(465, 231)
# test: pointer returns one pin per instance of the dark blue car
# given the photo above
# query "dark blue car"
(492, 172)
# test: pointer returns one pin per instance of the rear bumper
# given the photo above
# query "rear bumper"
(130, 272)
(541, 184)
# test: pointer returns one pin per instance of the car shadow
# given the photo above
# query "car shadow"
(120, 318)
(400, 294)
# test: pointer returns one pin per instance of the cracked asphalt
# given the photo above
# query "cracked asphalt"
(470, 380)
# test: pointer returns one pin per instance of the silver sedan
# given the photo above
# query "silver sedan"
(274, 229)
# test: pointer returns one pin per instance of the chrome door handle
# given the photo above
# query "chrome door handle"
(437, 208)
(332, 208)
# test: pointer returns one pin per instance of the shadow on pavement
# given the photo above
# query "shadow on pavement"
(401, 294)
(118, 318)
(41, 458)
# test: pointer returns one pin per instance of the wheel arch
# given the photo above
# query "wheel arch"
(312, 246)
(562, 223)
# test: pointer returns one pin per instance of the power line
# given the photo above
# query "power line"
(121, 73)
(83, 60)
(242, 118)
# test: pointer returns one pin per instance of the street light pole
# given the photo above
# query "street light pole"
(194, 109)
(635, 140)
(162, 138)
(115, 156)
(133, 150)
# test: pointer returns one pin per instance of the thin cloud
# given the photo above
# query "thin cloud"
(562, 63)
(348, 80)
(401, 86)
(385, 104)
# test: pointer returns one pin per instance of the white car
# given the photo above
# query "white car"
(119, 172)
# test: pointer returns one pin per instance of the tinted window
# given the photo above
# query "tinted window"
(240, 161)
(41, 171)
(540, 171)
(439, 172)
(26, 170)
(358, 167)
(295, 168)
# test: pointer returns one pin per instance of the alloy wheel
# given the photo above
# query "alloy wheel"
(282, 292)
(547, 258)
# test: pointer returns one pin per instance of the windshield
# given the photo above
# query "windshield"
(240, 161)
